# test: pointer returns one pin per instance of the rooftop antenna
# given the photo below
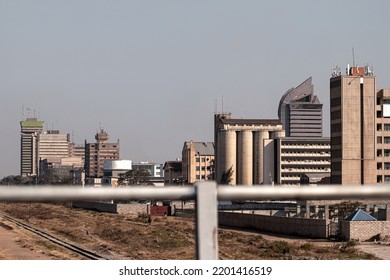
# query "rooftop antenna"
(222, 102)
(353, 57)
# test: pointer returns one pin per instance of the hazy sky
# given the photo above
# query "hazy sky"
(150, 71)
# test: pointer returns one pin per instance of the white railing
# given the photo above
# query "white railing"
(206, 195)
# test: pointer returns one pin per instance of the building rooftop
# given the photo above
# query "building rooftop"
(360, 215)
(251, 121)
(174, 165)
(204, 148)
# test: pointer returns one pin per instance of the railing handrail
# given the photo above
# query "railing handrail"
(72, 193)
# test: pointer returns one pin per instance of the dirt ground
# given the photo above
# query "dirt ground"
(119, 236)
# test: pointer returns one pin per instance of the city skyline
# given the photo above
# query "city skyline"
(151, 72)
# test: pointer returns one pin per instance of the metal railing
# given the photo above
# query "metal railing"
(206, 195)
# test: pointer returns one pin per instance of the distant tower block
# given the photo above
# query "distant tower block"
(300, 111)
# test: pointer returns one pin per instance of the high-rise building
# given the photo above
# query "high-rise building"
(296, 157)
(241, 145)
(97, 153)
(353, 126)
(383, 136)
(300, 111)
(31, 128)
(198, 161)
(52, 144)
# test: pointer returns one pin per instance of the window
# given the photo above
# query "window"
(379, 140)
(203, 168)
(387, 127)
(197, 159)
(387, 179)
(197, 168)
(197, 177)
(386, 140)
(387, 165)
(387, 153)
(203, 160)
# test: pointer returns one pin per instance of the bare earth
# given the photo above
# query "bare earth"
(118, 236)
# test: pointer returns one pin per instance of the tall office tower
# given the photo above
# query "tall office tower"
(97, 153)
(353, 125)
(30, 130)
(300, 111)
(52, 144)
(198, 161)
(244, 145)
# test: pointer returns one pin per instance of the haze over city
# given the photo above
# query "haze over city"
(150, 72)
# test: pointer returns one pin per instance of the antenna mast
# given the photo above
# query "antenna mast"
(353, 57)
(222, 102)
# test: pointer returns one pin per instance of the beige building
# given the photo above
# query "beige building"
(52, 144)
(198, 161)
(97, 153)
(298, 157)
(353, 127)
(383, 136)
(242, 144)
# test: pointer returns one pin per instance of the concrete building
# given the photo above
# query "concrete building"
(173, 173)
(30, 129)
(198, 161)
(353, 126)
(241, 144)
(77, 150)
(300, 111)
(52, 144)
(383, 136)
(297, 157)
(97, 153)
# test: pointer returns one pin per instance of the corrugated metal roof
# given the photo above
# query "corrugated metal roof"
(204, 148)
(360, 215)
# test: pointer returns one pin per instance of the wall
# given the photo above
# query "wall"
(96, 206)
(313, 228)
(364, 230)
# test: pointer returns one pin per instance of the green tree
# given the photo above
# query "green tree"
(13, 180)
(135, 177)
(227, 176)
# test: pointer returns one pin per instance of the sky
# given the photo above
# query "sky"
(152, 73)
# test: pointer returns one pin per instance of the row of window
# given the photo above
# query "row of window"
(386, 127)
(202, 159)
(202, 168)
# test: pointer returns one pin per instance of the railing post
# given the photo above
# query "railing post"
(206, 221)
